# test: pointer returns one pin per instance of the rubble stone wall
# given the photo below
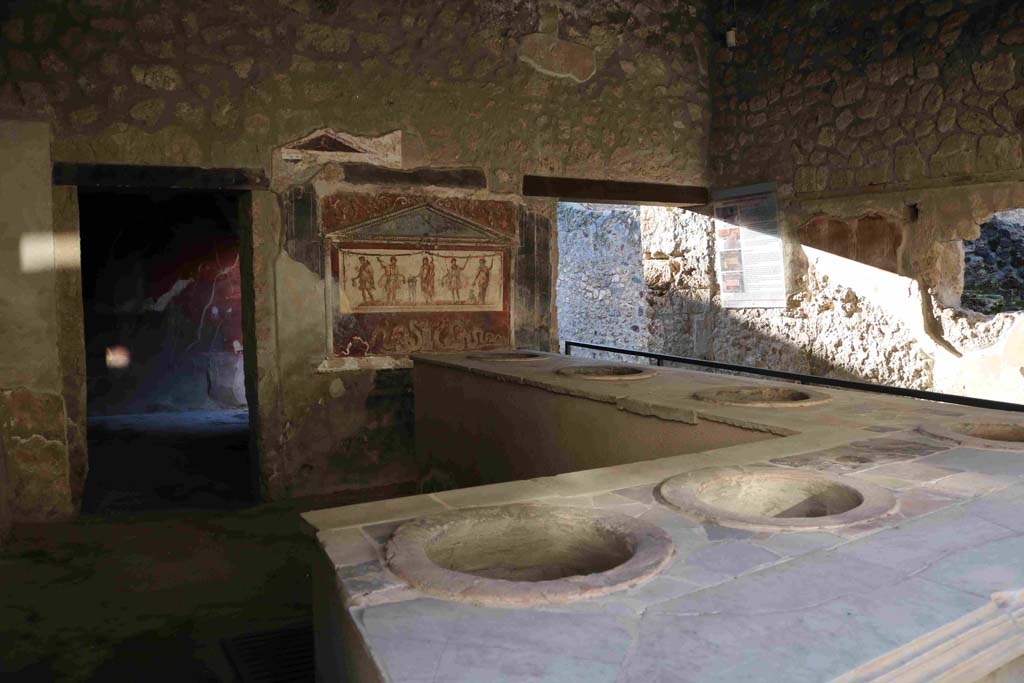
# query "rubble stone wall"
(908, 114)
(611, 89)
(832, 96)
(600, 286)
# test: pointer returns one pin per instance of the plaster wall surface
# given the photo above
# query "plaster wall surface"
(466, 434)
(33, 418)
(607, 90)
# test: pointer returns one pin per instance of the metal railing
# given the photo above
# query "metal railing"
(661, 358)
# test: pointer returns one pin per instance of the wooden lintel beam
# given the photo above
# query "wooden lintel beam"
(614, 191)
(158, 177)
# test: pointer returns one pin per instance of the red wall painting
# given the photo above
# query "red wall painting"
(415, 273)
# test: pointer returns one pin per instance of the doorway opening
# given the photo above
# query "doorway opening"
(168, 423)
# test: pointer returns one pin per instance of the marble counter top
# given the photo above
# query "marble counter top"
(734, 605)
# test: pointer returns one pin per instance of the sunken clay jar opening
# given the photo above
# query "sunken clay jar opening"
(991, 431)
(765, 397)
(606, 372)
(505, 356)
(764, 497)
(507, 549)
(526, 554)
(985, 434)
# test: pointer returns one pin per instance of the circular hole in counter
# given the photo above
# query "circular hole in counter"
(764, 497)
(991, 431)
(762, 396)
(606, 372)
(998, 434)
(526, 554)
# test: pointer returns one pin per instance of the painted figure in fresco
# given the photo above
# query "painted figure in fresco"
(453, 279)
(427, 279)
(482, 280)
(391, 278)
(364, 280)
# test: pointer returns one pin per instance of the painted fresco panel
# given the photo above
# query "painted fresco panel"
(397, 280)
(420, 275)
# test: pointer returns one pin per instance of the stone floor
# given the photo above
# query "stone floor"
(147, 596)
(161, 461)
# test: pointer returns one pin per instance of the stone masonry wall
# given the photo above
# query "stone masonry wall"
(608, 90)
(621, 90)
(600, 291)
(829, 96)
(634, 277)
(908, 113)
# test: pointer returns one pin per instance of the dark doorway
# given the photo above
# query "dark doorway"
(168, 420)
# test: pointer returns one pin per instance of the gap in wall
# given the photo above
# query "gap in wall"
(994, 265)
(168, 423)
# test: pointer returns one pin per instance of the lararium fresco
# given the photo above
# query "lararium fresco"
(393, 280)
(413, 273)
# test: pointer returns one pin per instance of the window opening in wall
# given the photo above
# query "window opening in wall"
(168, 422)
(859, 307)
(994, 265)
(636, 277)
(600, 288)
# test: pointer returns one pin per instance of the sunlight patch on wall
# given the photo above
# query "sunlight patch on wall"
(40, 252)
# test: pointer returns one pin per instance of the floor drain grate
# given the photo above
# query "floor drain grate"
(282, 656)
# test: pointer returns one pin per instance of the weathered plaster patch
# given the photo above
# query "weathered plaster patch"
(553, 56)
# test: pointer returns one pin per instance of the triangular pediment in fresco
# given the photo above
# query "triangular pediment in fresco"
(423, 222)
(326, 143)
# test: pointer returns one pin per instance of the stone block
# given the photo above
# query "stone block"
(990, 462)
(328, 40)
(552, 56)
(157, 77)
(955, 156)
(999, 153)
(37, 469)
(998, 74)
(658, 274)
(909, 164)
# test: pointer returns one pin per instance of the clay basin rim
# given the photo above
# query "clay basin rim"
(607, 372)
(526, 554)
(769, 498)
(762, 396)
